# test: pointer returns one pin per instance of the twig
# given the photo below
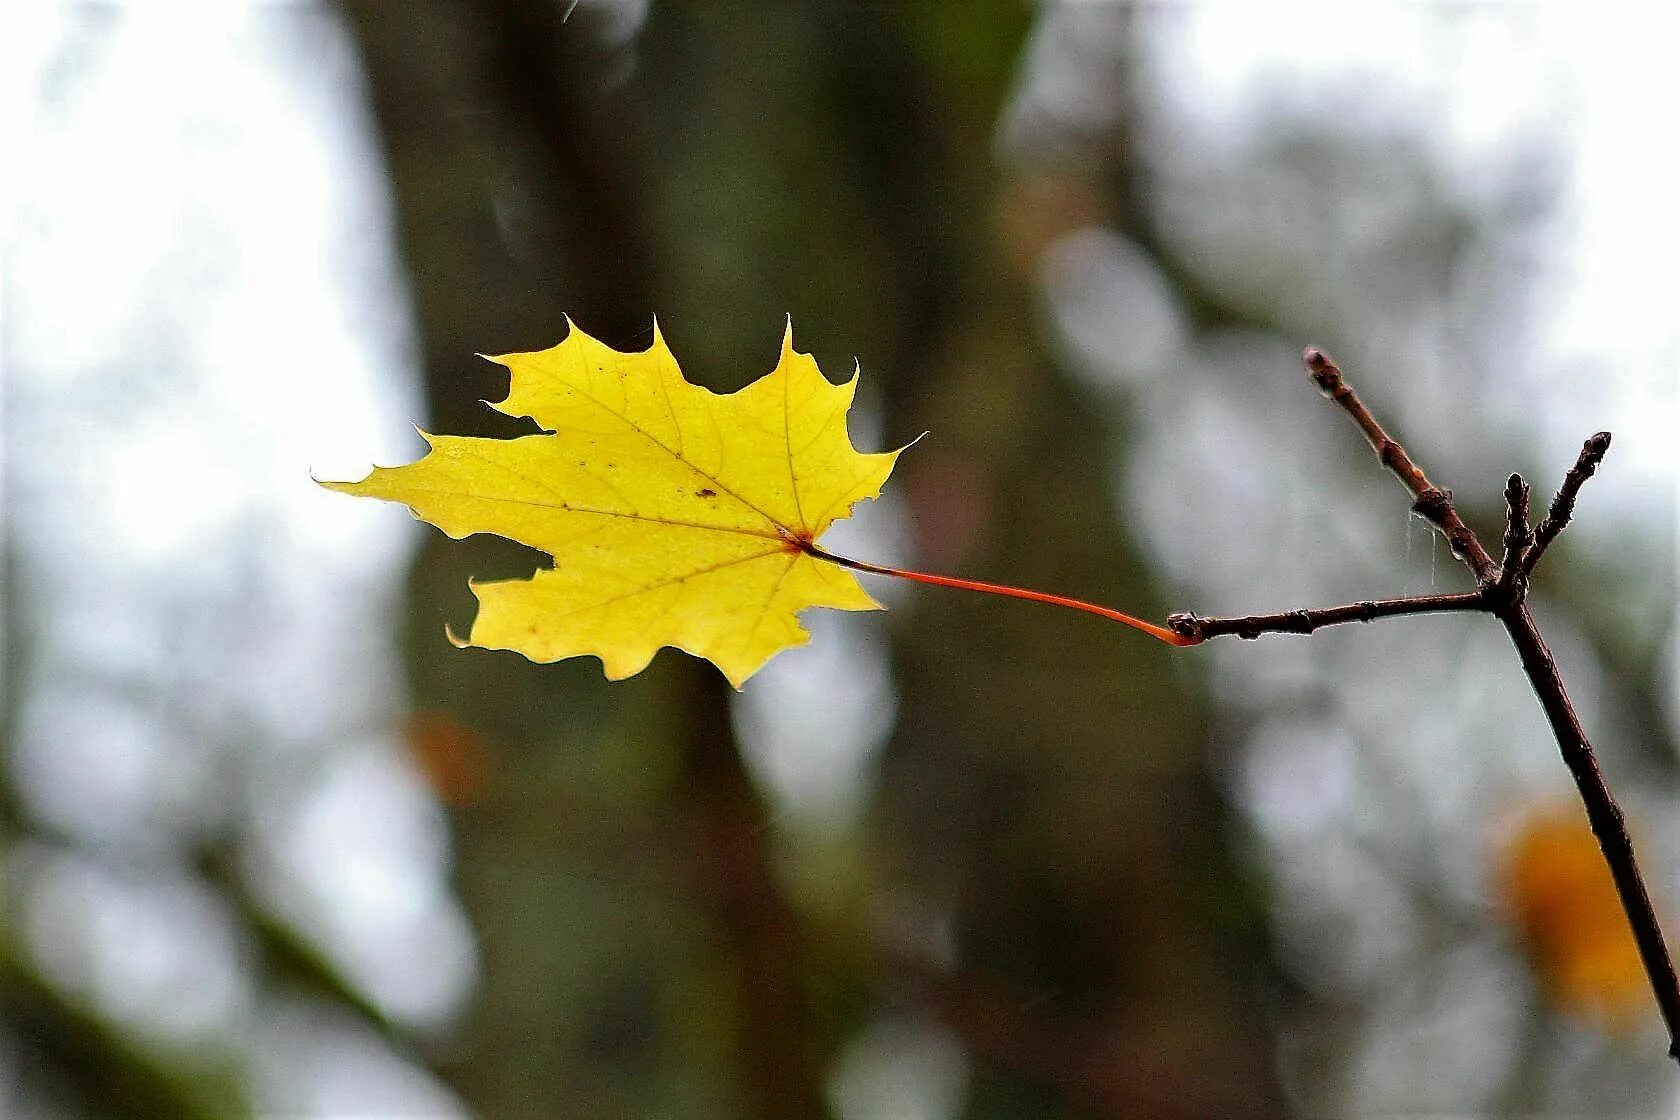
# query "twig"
(1430, 500)
(1306, 621)
(1513, 579)
(1501, 592)
(1563, 505)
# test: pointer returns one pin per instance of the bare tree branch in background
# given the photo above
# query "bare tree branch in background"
(1502, 592)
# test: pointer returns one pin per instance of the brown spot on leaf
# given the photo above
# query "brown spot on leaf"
(705, 492)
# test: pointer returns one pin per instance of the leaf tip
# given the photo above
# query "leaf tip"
(343, 486)
(455, 639)
(787, 335)
(733, 673)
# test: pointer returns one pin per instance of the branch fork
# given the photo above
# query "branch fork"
(1501, 591)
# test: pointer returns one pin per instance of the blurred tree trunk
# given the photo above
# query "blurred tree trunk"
(518, 186)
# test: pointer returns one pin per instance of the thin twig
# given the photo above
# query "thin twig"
(1513, 580)
(1430, 500)
(1306, 621)
(1563, 505)
(1506, 603)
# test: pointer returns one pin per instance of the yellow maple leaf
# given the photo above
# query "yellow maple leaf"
(676, 516)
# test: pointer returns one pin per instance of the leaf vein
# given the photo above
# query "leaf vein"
(662, 584)
(787, 441)
(657, 442)
(564, 507)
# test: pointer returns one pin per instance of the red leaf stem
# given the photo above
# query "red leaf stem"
(1160, 633)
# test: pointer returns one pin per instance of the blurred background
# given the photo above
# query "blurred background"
(270, 846)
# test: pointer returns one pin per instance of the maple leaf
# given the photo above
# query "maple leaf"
(675, 516)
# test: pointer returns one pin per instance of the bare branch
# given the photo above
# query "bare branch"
(1502, 591)
(1430, 500)
(1605, 816)
(1502, 594)
(1563, 505)
(1306, 621)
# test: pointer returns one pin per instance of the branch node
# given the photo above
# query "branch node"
(1434, 503)
(1185, 624)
